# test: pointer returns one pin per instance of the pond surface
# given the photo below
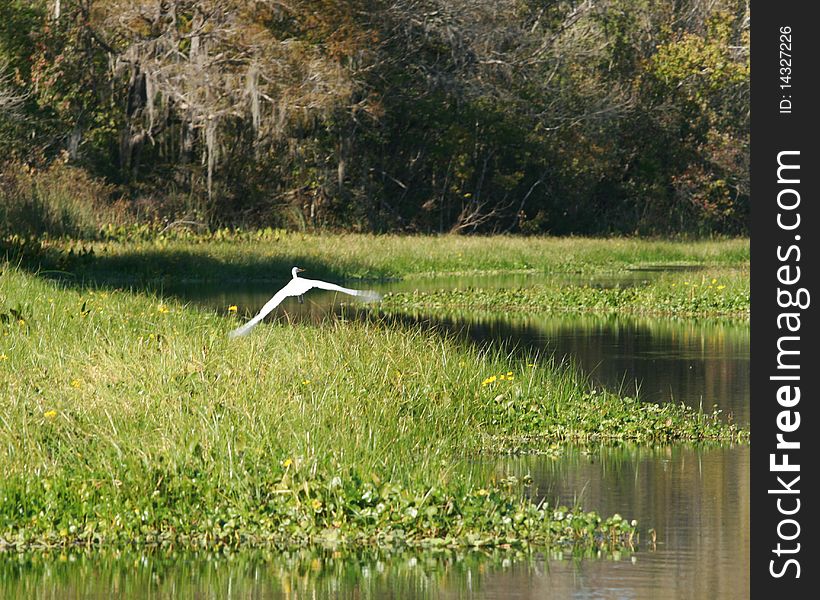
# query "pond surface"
(697, 500)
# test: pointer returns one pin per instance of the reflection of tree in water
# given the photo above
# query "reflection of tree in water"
(695, 361)
(697, 499)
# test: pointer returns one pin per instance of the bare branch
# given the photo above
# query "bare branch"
(10, 101)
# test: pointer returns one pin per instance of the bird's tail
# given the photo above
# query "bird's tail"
(240, 331)
(368, 295)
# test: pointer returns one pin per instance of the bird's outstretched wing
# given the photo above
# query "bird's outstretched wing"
(367, 295)
(269, 306)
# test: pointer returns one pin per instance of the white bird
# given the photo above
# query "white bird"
(296, 287)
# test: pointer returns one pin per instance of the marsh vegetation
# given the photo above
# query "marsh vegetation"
(129, 416)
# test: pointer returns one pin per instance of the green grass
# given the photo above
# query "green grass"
(713, 292)
(130, 418)
(231, 256)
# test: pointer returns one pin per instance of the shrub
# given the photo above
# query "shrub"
(61, 200)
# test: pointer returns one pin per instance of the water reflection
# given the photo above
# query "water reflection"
(696, 499)
(699, 362)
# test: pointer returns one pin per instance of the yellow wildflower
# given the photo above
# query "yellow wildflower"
(50, 414)
(75, 383)
(720, 287)
(306, 382)
(287, 462)
(3, 357)
(232, 308)
(316, 504)
(162, 309)
(509, 373)
(489, 380)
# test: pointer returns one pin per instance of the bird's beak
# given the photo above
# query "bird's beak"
(298, 270)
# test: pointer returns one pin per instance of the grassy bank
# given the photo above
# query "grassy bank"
(714, 292)
(132, 418)
(231, 256)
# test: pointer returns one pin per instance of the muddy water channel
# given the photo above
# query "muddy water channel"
(697, 499)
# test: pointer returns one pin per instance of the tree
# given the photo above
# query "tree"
(413, 115)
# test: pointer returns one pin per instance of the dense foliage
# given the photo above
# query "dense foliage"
(410, 115)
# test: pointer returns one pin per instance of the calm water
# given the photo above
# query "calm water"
(696, 499)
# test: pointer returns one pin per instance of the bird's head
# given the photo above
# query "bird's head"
(295, 271)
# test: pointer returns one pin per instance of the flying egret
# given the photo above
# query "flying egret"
(296, 287)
